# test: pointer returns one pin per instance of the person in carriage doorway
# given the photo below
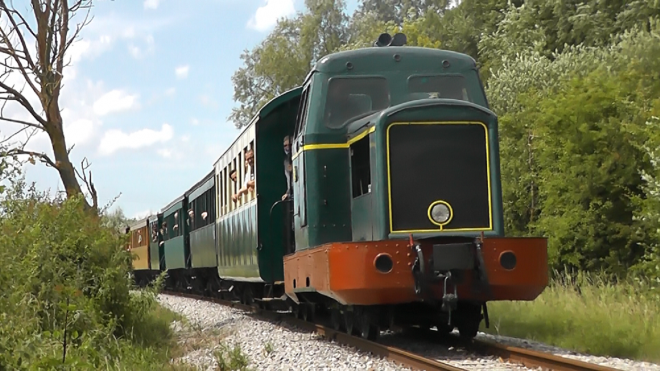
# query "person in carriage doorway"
(288, 195)
(288, 168)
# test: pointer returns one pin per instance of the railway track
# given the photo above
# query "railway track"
(525, 357)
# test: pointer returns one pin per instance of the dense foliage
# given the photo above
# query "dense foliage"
(576, 87)
(65, 299)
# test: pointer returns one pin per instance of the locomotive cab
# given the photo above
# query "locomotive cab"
(392, 141)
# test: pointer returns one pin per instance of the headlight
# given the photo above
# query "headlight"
(440, 213)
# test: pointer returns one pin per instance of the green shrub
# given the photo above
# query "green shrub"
(66, 297)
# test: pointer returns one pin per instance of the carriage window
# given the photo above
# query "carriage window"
(225, 190)
(235, 182)
(204, 209)
(250, 170)
(439, 86)
(217, 207)
(352, 98)
(360, 167)
(191, 215)
(154, 231)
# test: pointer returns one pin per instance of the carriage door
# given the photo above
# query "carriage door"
(299, 189)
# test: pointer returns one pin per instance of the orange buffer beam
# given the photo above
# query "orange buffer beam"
(349, 272)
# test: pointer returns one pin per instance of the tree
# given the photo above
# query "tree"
(271, 68)
(400, 11)
(116, 220)
(40, 72)
(284, 58)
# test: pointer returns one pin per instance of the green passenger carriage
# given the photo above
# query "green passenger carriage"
(200, 222)
(156, 245)
(250, 231)
(175, 243)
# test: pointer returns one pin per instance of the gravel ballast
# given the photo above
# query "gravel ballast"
(266, 345)
(212, 327)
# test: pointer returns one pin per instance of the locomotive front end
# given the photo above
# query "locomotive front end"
(438, 185)
(438, 176)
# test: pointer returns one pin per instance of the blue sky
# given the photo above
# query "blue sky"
(148, 94)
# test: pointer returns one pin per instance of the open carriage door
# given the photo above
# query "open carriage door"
(299, 183)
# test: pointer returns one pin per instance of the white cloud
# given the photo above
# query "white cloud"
(151, 4)
(80, 131)
(115, 101)
(170, 92)
(266, 16)
(140, 52)
(185, 138)
(100, 36)
(182, 71)
(114, 140)
(194, 122)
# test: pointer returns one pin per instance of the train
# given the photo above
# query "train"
(370, 194)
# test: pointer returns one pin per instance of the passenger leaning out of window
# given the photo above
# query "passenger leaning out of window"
(248, 183)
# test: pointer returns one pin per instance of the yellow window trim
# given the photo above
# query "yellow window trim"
(311, 147)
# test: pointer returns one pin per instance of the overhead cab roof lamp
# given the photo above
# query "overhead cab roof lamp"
(386, 39)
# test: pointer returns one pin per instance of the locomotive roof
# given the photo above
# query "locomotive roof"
(366, 58)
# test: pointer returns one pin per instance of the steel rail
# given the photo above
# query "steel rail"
(397, 355)
(534, 359)
(525, 357)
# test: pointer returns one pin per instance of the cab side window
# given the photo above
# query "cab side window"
(349, 98)
(301, 117)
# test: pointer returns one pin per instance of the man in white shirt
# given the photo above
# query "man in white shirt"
(288, 173)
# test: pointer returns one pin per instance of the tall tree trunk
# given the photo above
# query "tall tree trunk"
(64, 165)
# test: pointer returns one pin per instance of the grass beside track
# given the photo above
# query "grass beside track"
(583, 313)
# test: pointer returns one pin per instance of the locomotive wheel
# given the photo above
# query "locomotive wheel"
(468, 330)
(247, 298)
(293, 308)
(468, 327)
(297, 310)
(195, 284)
(335, 318)
(366, 327)
(305, 309)
(349, 321)
(444, 328)
(310, 312)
